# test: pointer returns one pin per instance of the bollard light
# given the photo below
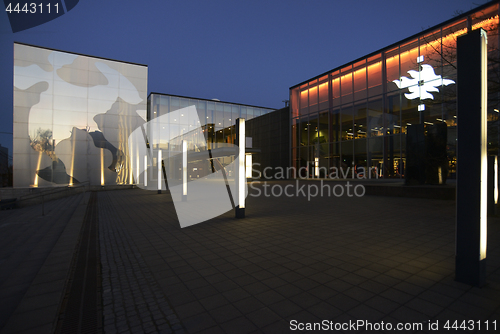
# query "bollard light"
(145, 171)
(495, 184)
(248, 166)
(184, 171)
(316, 167)
(241, 173)
(159, 170)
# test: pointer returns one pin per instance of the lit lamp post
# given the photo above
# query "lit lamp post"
(159, 170)
(184, 171)
(239, 210)
(472, 160)
(145, 171)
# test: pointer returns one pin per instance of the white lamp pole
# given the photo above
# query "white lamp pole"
(240, 169)
(159, 170)
(184, 171)
(145, 171)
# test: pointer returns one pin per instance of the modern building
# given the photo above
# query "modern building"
(73, 114)
(359, 114)
(215, 121)
(216, 117)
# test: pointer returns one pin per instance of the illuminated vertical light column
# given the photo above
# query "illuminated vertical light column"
(102, 167)
(138, 168)
(145, 171)
(316, 167)
(495, 182)
(240, 169)
(129, 174)
(138, 160)
(472, 160)
(158, 164)
(72, 169)
(131, 169)
(248, 166)
(184, 171)
(421, 106)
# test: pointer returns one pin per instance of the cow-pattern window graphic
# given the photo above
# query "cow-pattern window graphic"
(72, 117)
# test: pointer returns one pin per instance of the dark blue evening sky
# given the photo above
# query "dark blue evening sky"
(247, 52)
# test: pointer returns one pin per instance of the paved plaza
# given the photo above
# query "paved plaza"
(291, 263)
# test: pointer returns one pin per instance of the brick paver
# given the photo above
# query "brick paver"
(131, 297)
(35, 255)
(291, 259)
(369, 258)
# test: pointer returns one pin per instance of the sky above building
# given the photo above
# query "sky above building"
(241, 51)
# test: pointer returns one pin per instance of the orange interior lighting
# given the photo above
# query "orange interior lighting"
(448, 39)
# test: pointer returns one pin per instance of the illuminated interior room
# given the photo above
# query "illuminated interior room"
(217, 120)
(74, 113)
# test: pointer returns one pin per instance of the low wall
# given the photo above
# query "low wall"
(33, 196)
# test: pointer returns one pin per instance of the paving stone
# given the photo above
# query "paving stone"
(339, 259)
(35, 254)
(263, 317)
(121, 258)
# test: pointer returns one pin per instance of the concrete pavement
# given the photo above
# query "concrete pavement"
(289, 264)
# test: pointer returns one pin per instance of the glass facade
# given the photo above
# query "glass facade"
(217, 118)
(358, 114)
(72, 117)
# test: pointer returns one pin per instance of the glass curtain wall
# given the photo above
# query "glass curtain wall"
(217, 121)
(73, 115)
(358, 114)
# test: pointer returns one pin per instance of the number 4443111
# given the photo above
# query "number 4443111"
(33, 8)
(471, 325)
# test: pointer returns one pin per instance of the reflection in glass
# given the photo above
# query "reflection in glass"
(80, 111)
(368, 112)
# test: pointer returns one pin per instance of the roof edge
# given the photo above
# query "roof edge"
(79, 54)
(488, 4)
(209, 100)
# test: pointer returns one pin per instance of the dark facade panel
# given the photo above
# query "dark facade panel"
(271, 135)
